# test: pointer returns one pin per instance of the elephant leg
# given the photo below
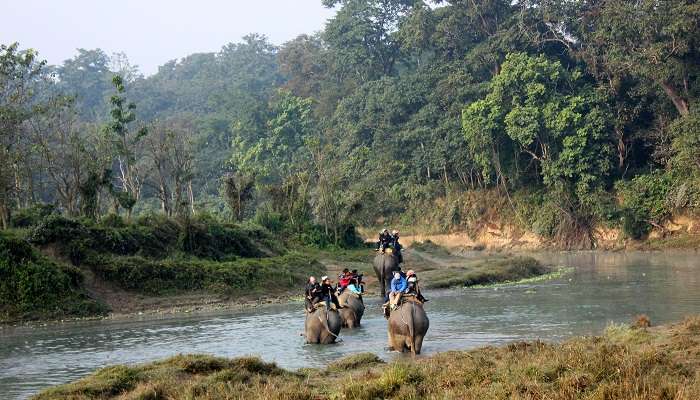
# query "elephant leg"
(419, 343)
(398, 342)
(390, 341)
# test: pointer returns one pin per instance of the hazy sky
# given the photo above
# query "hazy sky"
(152, 32)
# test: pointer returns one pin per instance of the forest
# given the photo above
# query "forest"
(558, 116)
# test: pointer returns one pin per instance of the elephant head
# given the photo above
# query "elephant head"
(353, 311)
(322, 326)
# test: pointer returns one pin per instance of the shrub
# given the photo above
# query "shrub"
(644, 201)
(33, 286)
(31, 216)
(160, 276)
(151, 236)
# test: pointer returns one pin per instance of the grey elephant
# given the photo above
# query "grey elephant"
(322, 326)
(354, 309)
(384, 264)
(407, 327)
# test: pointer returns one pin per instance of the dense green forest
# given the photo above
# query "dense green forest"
(560, 115)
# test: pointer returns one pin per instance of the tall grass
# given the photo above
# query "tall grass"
(625, 363)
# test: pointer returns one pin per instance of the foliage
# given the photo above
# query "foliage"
(645, 202)
(32, 216)
(150, 236)
(447, 114)
(157, 277)
(32, 286)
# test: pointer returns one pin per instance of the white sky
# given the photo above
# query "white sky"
(151, 32)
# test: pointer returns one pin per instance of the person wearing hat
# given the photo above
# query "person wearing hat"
(328, 293)
(396, 245)
(385, 239)
(398, 287)
(312, 294)
(412, 286)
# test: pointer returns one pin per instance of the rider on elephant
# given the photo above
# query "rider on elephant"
(398, 287)
(413, 287)
(354, 287)
(385, 240)
(396, 245)
(312, 294)
(328, 293)
(343, 280)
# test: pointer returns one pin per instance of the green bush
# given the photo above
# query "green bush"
(31, 216)
(151, 236)
(270, 220)
(644, 200)
(32, 286)
(161, 276)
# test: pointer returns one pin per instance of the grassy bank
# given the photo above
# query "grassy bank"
(439, 268)
(33, 286)
(486, 272)
(67, 268)
(624, 363)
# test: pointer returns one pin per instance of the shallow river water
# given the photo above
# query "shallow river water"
(604, 288)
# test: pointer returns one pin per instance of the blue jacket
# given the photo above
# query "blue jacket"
(399, 285)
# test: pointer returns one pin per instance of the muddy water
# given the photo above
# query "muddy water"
(604, 288)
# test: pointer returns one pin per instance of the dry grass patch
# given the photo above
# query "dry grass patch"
(624, 363)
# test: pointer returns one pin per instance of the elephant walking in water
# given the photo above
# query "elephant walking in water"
(354, 309)
(407, 327)
(384, 264)
(322, 326)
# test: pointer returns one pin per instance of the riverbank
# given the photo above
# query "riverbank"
(114, 279)
(625, 362)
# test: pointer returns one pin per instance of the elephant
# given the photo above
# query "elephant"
(322, 326)
(384, 264)
(353, 309)
(407, 327)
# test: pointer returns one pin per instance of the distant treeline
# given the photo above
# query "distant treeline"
(577, 113)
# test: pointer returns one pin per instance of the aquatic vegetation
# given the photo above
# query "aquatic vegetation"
(485, 272)
(555, 274)
(623, 363)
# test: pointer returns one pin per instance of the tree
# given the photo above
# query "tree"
(67, 151)
(238, 190)
(19, 73)
(360, 37)
(169, 146)
(125, 139)
(543, 122)
(86, 77)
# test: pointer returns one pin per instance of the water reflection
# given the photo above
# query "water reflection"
(605, 287)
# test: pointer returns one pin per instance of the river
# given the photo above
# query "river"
(603, 288)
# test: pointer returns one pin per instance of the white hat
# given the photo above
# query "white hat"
(323, 278)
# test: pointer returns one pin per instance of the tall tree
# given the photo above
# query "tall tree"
(126, 138)
(19, 73)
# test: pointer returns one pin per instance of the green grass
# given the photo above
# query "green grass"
(556, 274)
(485, 272)
(355, 361)
(624, 363)
(158, 277)
(431, 247)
